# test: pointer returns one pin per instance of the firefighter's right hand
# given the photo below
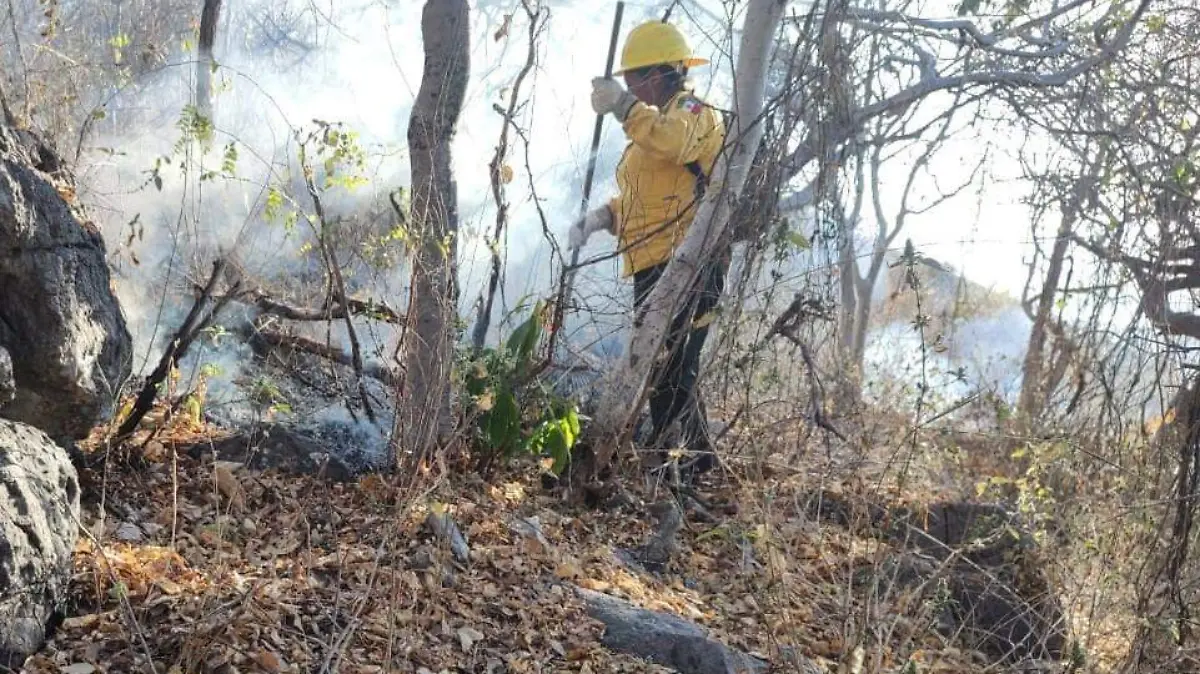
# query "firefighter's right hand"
(596, 220)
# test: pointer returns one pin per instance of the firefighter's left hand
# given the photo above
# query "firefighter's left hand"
(608, 96)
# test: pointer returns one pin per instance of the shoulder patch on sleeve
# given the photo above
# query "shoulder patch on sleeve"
(692, 105)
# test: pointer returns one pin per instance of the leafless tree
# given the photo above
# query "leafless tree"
(1125, 195)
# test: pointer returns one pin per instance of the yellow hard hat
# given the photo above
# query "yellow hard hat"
(656, 43)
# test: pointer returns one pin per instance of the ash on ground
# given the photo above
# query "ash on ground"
(297, 411)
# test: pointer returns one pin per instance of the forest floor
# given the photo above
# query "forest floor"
(204, 566)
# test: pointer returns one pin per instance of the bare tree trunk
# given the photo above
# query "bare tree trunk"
(209, 16)
(848, 312)
(858, 285)
(423, 416)
(866, 291)
(707, 233)
(1032, 399)
(1033, 393)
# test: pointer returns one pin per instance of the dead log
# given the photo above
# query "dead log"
(284, 340)
(369, 308)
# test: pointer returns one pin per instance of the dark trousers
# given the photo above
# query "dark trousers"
(673, 394)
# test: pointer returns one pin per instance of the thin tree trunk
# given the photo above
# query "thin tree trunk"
(848, 312)
(1031, 400)
(1032, 397)
(707, 233)
(423, 417)
(209, 16)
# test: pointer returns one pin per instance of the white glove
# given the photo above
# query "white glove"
(595, 220)
(608, 96)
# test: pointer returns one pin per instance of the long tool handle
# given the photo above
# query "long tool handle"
(591, 169)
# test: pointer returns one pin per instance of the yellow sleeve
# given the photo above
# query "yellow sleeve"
(614, 207)
(675, 134)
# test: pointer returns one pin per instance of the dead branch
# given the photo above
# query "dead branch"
(332, 310)
(931, 81)
(497, 169)
(338, 285)
(193, 324)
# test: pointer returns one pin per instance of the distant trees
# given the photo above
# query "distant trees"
(1124, 189)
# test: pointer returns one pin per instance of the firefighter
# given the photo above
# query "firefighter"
(673, 142)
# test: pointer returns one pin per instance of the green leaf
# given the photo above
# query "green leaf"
(798, 240)
(504, 422)
(523, 341)
(573, 419)
(558, 447)
(274, 203)
(229, 159)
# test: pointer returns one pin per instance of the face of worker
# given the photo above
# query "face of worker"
(651, 86)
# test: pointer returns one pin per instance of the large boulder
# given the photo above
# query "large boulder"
(8, 387)
(59, 319)
(39, 511)
(1000, 598)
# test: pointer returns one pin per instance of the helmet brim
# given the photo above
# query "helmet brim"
(687, 63)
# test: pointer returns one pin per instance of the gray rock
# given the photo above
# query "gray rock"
(59, 319)
(665, 639)
(39, 511)
(8, 387)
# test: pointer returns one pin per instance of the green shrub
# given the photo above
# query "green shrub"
(511, 412)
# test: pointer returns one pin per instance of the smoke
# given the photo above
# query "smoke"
(979, 354)
(360, 64)
(164, 223)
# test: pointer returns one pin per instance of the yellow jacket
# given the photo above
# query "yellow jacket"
(657, 196)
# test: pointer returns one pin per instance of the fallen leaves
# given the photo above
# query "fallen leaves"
(227, 484)
(468, 637)
(266, 572)
(270, 661)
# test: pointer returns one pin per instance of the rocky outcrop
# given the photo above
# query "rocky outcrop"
(59, 319)
(39, 511)
(999, 598)
(1004, 602)
(8, 387)
(665, 639)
